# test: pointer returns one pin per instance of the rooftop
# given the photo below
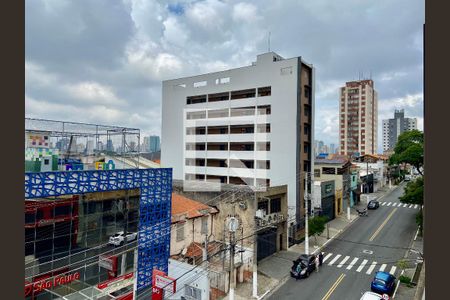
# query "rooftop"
(183, 206)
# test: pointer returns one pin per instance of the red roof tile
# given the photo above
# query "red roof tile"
(189, 208)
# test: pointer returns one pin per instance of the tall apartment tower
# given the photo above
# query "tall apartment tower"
(392, 128)
(358, 118)
(251, 125)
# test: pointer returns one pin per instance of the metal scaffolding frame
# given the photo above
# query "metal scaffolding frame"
(66, 135)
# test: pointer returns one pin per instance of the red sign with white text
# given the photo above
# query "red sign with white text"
(44, 283)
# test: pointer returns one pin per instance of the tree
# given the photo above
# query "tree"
(317, 225)
(414, 195)
(413, 192)
(409, 149)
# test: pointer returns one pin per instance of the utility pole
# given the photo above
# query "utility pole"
(347, 193)
(232, 227)
(255, 253)
(306, 215)
(205, 261)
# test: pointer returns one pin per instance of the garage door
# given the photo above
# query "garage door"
(267, 243)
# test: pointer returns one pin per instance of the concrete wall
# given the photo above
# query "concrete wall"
(197, 278)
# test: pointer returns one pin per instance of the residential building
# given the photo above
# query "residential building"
(392, 128)
(337, 169)
(154, 143)
(191, 225)
(358, 117)
(251, 125)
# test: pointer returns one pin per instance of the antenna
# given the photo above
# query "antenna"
(268, 41)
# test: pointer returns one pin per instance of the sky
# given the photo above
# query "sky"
(103, 61)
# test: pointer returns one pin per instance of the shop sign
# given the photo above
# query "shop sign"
(116, 284)
(42, 284)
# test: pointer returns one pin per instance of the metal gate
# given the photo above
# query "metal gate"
(328, 207)
(267, 243)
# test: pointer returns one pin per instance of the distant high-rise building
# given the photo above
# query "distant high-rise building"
(109, 146)
(392, 128)
(146, 144)
(332, 148)
(154, 143)
(89, 147)
(358, 118)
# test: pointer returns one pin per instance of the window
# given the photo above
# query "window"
(205, 225)
(263, 146)
(218, 113)
(218, 146)
(328, 188)
(264, 110)
(195, 115)
(65, 210)
(219, 97)
(263, 128)
(195, 146)
(180, 232)
(242, 111)
(237, 129)
(263, 164)
(196, 99)
(30, 218)
(264, 91)
(316, 172)
(326, 170)
(242, 94)
(307, 89)
(241, 146)
(238, 163)
(192, 292)
(275, 205)
(46, 161)
(264, 205)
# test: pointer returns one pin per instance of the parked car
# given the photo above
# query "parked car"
(121, 238)
(307, 266)
(373, 204)
(383, 283)
(372, 296)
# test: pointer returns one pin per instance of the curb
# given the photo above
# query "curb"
(286, 278)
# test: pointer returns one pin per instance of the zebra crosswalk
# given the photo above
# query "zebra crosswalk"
(399, 204)
(362, 266)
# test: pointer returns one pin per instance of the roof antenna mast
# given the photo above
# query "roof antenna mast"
(268, 42)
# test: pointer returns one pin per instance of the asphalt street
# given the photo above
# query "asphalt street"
(370, 244)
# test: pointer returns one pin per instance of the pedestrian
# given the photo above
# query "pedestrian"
(320, 258)
(317, 261)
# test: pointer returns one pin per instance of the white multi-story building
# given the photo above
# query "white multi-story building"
(392, 128)
(358, 118)
(251, 125)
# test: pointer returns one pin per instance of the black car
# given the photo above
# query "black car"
(304, 265)
(373, 204)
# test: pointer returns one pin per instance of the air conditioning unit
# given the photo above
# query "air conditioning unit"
(268, 218)
(260, 213)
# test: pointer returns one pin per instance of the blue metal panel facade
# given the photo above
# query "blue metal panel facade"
(154, 212)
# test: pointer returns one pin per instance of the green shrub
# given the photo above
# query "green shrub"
(404, 279)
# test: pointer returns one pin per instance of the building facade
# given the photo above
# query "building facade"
(251, 125)
(154, 143)
(358, 118)
(392, 128)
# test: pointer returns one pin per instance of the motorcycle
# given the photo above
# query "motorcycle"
(362, 213)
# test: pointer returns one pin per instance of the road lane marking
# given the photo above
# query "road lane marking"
(334, 259)
(372, 266)
(389, 204)
(352, 263)
(343, 262)
(327, 257)
(394, 204)
(333, 287)
(415, 206)
(410, 206)
(361, 266)
(383, 266)
(383, 203)
(393, 269)
(405, 205)
(382, 225)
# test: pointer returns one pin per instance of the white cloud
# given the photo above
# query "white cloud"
(94, 92)
(245, 12)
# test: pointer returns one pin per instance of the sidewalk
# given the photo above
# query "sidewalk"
(273, 271)
(408, 293)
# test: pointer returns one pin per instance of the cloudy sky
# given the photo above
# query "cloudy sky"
(102, 61)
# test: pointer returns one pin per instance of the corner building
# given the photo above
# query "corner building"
(358, 118)
(251, 125)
